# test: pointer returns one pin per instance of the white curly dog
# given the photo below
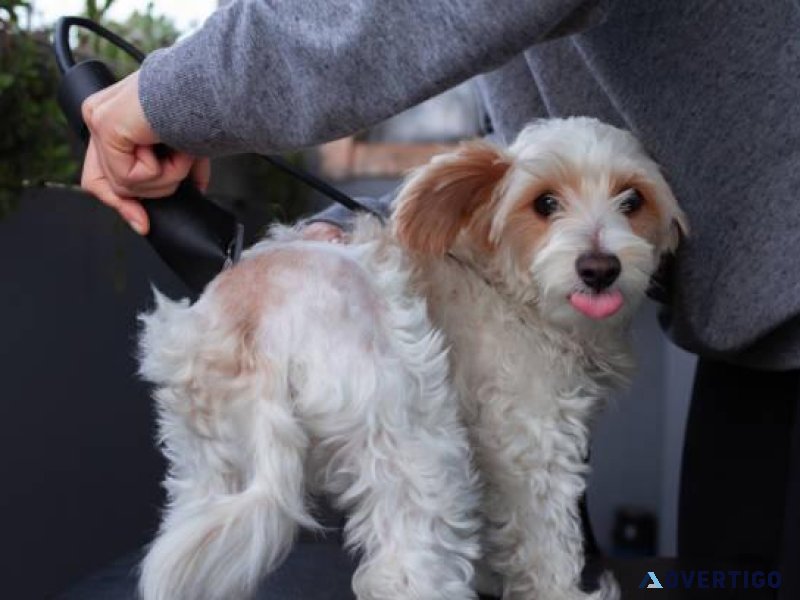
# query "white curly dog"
(434, 377)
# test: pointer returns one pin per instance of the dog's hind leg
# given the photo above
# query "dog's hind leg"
(236, 453)
(412, 501)
(404, 472)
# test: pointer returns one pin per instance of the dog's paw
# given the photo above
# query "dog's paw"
(608, 588)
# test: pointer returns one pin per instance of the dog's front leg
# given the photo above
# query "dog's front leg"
(534, 474)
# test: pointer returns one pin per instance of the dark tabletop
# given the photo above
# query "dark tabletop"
(321, 570)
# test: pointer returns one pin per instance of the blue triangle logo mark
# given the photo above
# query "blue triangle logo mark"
(651, 582)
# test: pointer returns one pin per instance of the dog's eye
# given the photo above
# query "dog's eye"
(632, 202)
(546, 205)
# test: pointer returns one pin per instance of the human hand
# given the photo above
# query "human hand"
(121, 163)
(324, 232)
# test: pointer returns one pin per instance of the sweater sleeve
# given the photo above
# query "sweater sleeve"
(271, 75)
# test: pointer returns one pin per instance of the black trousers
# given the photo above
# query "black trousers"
(740, 482)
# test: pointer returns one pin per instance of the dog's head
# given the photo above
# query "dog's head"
(574, 217)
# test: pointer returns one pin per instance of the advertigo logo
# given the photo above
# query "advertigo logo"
(711, 580)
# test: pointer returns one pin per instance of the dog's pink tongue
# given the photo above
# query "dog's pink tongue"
(597, 306)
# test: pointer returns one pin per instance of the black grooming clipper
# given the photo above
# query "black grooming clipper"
(194, 236)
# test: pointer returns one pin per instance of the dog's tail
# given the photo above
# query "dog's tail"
(236, 452)
(218, 549)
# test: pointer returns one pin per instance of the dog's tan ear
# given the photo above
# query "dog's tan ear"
(678, 223)
(441, 198)
(678, 230)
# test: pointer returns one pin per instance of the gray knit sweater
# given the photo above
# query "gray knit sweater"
(712, 88)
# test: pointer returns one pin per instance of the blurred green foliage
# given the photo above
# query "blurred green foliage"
(33, 136)
(35, 145)
(145, 30)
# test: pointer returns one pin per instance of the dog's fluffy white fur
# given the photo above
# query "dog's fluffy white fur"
(431, 377)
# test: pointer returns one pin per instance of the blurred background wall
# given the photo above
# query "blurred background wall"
(79, 468)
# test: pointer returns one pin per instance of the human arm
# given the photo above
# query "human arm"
(268, 76)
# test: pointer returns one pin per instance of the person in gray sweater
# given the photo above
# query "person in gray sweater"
(711, 89)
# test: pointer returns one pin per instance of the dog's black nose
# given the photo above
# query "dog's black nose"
(598, 270)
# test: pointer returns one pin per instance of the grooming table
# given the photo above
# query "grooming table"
(320, 570)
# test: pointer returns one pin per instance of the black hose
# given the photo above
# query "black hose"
(66, 60)
(64, 56)
(320, 185)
